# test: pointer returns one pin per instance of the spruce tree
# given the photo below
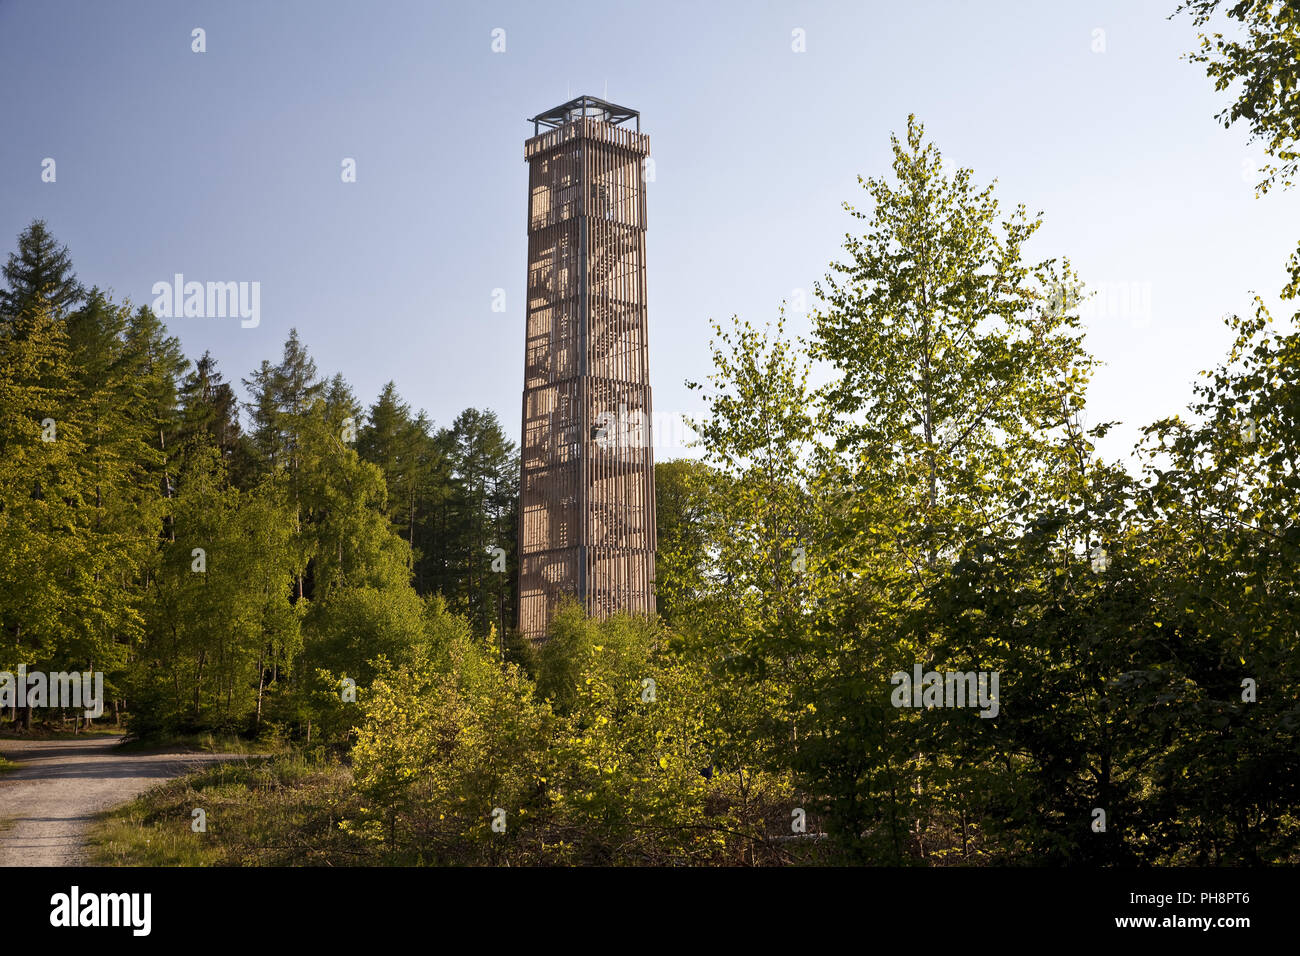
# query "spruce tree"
(40, 269)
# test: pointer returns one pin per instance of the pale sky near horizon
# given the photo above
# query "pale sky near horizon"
(225, 166)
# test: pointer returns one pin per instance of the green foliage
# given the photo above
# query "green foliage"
(210, 418)
(759, 434)
(1262, 63)
(954, 516)
(1262, 67)
(686, 495)
(937, 503)
(606, 759)
(481, 516)
(41, 527)
(447, 738)
(216, 575)
(219, 608)
(959, 365)
(353, 626)
(84, 404)
(40, 271)
(951, 419)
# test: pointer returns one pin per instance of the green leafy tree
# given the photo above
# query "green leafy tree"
(760, 437)
(687, 493)
(219, 612)
(1261, 64)
(958, 376)
(43, 540)
(1221, 508)
(449, 741)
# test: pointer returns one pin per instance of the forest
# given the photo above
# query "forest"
(274, 559)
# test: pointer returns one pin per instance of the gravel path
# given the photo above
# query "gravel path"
(47, 803)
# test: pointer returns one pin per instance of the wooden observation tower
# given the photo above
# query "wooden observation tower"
(587, 495)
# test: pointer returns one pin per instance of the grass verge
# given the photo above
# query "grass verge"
(55, 732)
(201, 743)
(282, 811)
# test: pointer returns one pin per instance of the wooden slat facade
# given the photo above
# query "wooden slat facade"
(587, 505)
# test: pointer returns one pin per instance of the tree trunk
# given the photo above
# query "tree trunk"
(261, 683)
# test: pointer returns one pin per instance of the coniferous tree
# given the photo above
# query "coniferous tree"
(392, 439)
(481, 518)
(283, 397)
(155, 359)
(40, 269)
(211, 417)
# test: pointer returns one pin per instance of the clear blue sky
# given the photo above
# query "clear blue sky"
(225, 165)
